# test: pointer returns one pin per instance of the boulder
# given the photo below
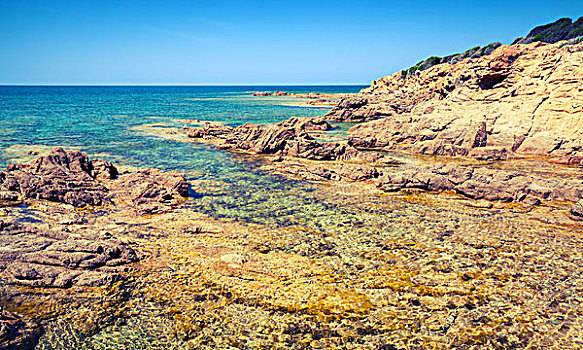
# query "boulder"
(61, 176)
(150, 191)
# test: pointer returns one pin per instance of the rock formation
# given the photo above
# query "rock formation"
(61, 176)
(150, 191)
(70, 177)
(483, 183)
(288, 138)
(520, 100)
(49, 258)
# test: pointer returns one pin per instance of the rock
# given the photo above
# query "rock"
(209, 130)
(150, 191)
(69, 177)
(577, 210)
(289, 138)
(523, 99)
(38, 258)
(489, 153)
(61, 176)
(483, 183)
(100, 169)
(16, 334)
(233, 258)
(307, 124)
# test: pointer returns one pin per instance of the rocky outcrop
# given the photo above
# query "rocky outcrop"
(483, 183)
(307, 123)
(47, 258)
(562, 29)
(69, 177)
(315, 172)
(150, 191)
(520, 100)
(309, 95)
(61, 176)
(209, 130)
(288, 138)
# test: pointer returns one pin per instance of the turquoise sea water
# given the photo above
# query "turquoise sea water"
(119, 124)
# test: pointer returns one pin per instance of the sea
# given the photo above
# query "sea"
(141, 127)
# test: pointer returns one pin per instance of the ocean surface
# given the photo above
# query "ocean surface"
(129, 126)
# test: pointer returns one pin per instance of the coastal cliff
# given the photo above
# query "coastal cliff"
(521, 99)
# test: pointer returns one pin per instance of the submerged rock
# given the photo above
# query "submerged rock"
(16, 334)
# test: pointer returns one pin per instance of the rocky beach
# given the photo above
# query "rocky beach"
(439, 208)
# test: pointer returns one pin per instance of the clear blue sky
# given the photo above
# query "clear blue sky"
(248, 42)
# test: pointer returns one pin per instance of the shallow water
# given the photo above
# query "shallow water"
(120, 124)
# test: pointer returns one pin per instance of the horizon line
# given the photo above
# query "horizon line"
(175, 85)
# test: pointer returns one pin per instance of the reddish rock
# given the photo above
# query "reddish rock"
(61, 176)
(150, 191)
(69, 177)
(289, 137)
(100, 169)
(43, 258)
(483, 183)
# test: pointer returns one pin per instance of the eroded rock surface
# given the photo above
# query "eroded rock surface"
(317, 172)
(70, 177)
(62, 176)
(521, 99)
(288, 138)
(150, 191)
(53, 258)
(483, 183)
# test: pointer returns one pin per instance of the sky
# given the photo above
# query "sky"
(225, 42)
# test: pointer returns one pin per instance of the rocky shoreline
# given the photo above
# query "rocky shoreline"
(449, 217)
(297, 154)
(51, 249)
